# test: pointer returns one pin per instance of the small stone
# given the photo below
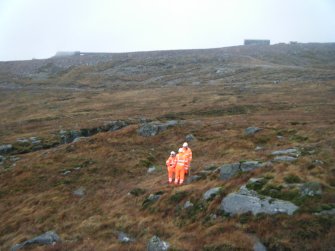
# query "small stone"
(124, 238)
(211, 193)
(188, 204)
(251, 130)
(259, 148)
(79, 192)
(190, 138)
(66, 172)
(151, 169)
(317, 162)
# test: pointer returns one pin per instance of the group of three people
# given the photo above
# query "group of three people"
(179, 165)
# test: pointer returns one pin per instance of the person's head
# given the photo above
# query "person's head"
(185, 145)
(173, 154)
(180, 150)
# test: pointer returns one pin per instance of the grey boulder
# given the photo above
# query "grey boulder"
(125, 238)
(47, 238)
(251, 130)
(245, 201)
(227, 171)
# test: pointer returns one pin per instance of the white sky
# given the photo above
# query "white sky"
(39, 28)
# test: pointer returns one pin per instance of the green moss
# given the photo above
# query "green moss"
(298, 138)
(257, 185)
(292, 178)
(137, 191)
(178, 196)
(220, 247)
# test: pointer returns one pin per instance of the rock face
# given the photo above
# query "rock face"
(153, 128)
(47, 238)
(251, 130)
(68, 136)
(5, 148)
(156, 244)
(249, 201)
(228, 171)
(211, 193)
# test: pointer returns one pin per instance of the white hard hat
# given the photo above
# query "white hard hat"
(185, 144)
(180, 150)
(173, 153)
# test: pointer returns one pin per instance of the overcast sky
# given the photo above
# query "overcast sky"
(39, 28)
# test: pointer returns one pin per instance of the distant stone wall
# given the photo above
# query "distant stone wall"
(256, 42)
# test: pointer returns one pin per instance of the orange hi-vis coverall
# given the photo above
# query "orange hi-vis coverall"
(182, 161)
(188, 154)
(171, 165)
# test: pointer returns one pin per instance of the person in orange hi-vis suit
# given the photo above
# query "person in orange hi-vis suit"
(188, 153)
(171, 165)
(180, 167)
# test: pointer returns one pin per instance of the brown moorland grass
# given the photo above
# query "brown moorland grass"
(37, 196)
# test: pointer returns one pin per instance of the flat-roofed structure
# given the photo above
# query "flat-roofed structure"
(256, 42)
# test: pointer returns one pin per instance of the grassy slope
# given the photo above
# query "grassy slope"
(36, 197)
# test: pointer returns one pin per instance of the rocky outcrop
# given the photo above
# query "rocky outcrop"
(289, 152)
(47, 238)
(153, 128)
(284, 159)
(246, 200)
(156, 244)
(228, 171)
(68, 136)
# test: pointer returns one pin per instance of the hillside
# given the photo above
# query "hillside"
(78, 135)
